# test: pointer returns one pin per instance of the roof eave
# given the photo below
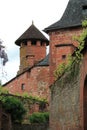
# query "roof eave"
(51, 29)
(18, 42)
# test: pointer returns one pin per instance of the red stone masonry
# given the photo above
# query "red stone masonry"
(35, 83)
(58, 53)
(31, 54)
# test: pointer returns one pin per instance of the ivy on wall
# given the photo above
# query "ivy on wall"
(78, 56)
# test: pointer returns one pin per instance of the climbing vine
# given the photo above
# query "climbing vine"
(34, 99)
(78, 56)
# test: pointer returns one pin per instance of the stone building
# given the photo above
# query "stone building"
(68, 96)
(62, 32)
(36, 74)
(33, 74)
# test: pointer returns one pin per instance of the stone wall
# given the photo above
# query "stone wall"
(31, 54)
(65, 102)
(62, 44)
(30, 127)
(35, 82)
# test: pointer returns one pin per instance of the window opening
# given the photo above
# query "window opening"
(84, 7)
(85, 11)
(63, 56)
(23, 86)
(33, 43)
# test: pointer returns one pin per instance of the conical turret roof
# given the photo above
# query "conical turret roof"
(75, 13)
(32, 33)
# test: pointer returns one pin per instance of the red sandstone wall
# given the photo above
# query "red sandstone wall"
(31, 54)
(61, 37)
(83, 93)
(36, 83)
(68, 106)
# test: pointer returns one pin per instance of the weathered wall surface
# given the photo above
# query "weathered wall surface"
(35, 82)
(31, 54)
(60, 45)
(69, 99)
(65, 102)
(30, 127)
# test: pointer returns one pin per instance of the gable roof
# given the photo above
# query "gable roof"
(32, 33)
(75, 13)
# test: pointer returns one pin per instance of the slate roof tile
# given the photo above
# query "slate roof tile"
(32, 33)
(75, 13)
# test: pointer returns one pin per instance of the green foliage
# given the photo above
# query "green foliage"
(62, 68)
(4, 91)
(84, 23)
(39, 117)
(70, 62)
(15, 107)
(46, 115)
(25, 95)
(34, 98)
(81, 42)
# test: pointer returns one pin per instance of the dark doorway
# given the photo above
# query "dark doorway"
(85, 103)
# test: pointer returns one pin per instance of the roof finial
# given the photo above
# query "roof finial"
(32, 22)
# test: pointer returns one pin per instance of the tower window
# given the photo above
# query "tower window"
(23, 86)
(85, 7)
(63, 56)
(33, 43)
(85, 10)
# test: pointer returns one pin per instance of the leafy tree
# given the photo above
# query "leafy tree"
(15, 107)
(3, 54)
(3, 57)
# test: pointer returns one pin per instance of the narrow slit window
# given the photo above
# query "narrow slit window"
(23, 86)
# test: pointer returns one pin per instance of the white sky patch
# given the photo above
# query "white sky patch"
(9, 71)
(16, 17)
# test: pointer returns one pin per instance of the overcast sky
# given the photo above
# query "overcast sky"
(15, 17)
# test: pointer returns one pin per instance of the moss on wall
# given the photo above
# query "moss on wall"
(65, 104)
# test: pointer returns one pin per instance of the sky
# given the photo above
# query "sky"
(15, 18)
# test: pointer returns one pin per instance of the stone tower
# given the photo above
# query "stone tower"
(68, 106)
(32, 47)
(62, 32)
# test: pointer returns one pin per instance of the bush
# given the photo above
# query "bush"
(39, 117)
(46, 115)
(15, 107)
